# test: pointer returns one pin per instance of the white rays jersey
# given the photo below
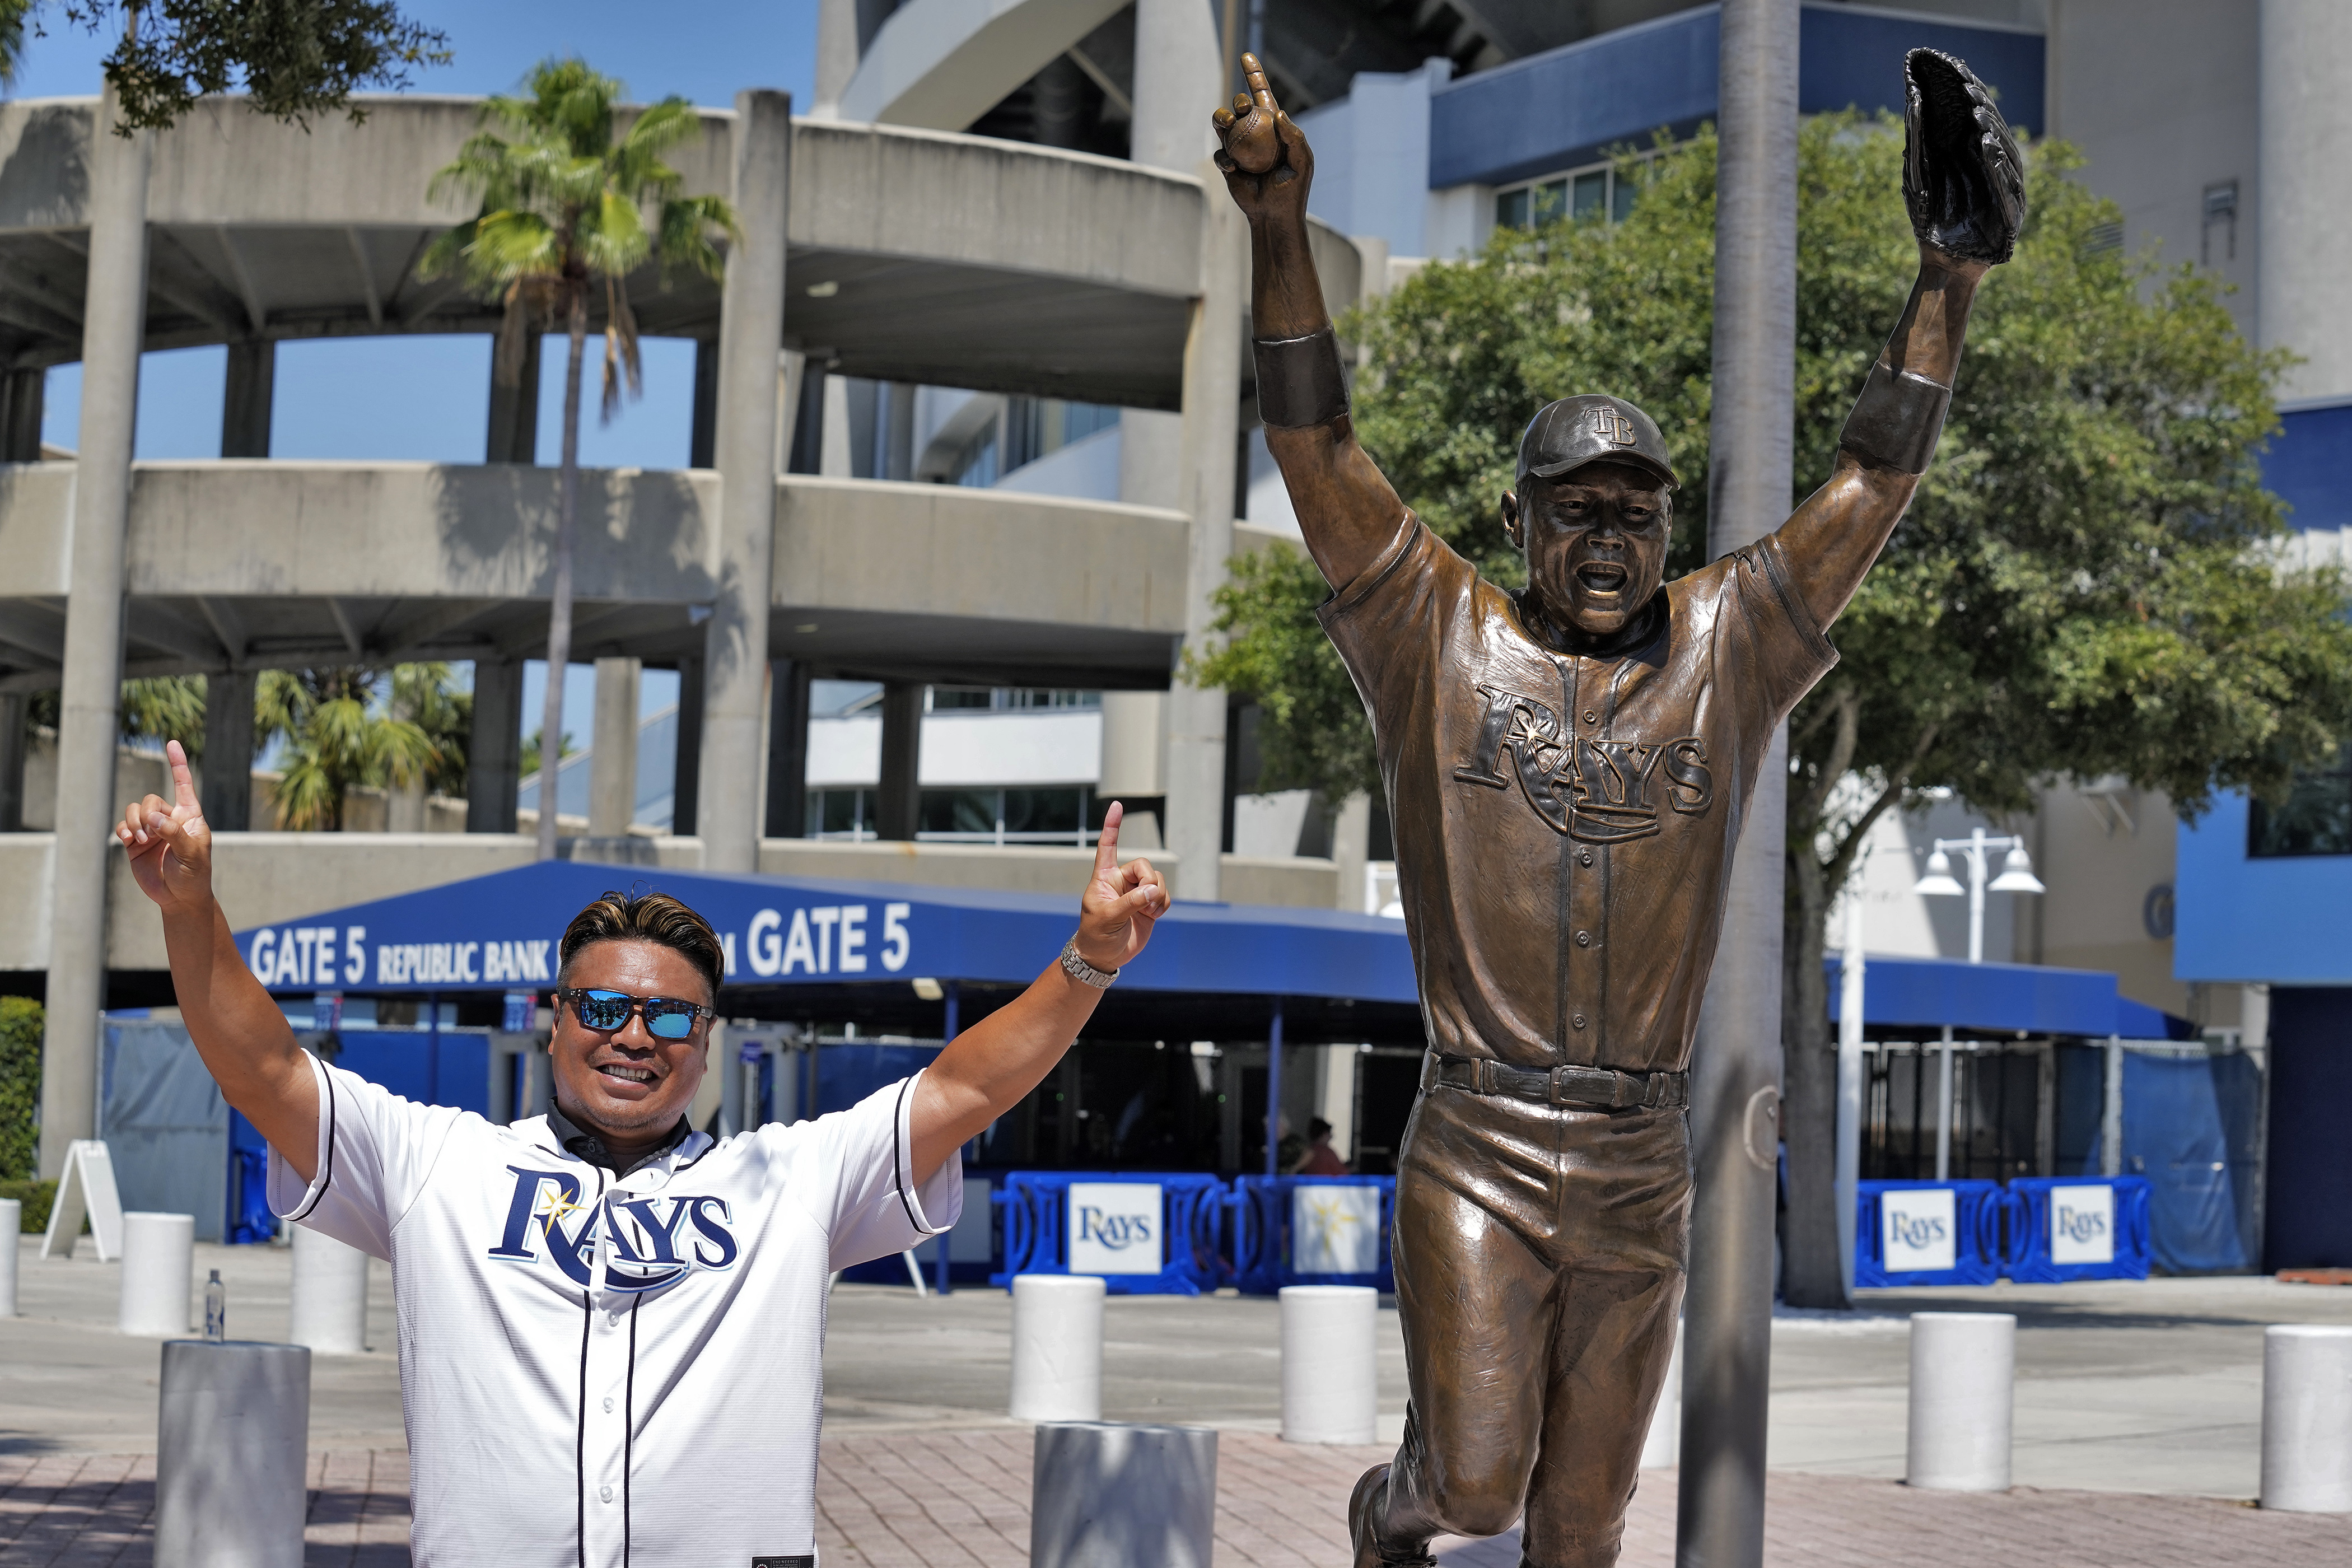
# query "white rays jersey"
(602, 1371)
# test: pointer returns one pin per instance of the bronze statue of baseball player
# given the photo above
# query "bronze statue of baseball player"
(1567, 767)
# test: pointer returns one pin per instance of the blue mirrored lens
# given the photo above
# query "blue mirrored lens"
(669, 1020)
(603, 1010)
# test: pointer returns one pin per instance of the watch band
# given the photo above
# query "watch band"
(1075, 966)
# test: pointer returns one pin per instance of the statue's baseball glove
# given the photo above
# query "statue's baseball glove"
(1963, 178)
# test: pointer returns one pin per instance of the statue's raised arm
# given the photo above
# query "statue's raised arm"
(1346, 506)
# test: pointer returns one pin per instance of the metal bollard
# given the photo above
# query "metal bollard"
(2307, 1418)
(1108, 1495)
(1963, 1394)
(232, 1444)
(1330, 1363)
(331, 1280)
(1057, 1329)
(158, 1260)
(12, 1222)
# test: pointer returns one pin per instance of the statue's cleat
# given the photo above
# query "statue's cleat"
(1370, 1553)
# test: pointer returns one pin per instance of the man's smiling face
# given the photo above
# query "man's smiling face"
(1595, 539)
(627, 1083)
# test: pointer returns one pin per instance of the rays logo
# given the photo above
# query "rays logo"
(1608, 425)
(1603, 792)
(655, 1240)
(1917, 1232)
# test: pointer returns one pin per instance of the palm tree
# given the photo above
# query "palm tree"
(339, 732)
(564, 207)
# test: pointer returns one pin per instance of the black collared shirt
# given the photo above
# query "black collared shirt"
(588, 1146)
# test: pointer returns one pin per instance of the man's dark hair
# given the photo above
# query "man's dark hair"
(644, 917)
(1317, 1128)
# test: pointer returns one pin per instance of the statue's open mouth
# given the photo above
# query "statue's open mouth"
(1602, 576)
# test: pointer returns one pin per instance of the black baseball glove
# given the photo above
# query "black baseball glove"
(1963, 178)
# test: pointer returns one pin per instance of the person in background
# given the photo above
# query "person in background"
(1320, 1159)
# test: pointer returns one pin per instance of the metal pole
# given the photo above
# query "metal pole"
(1976, 853)
(2111, 1112)
(1944, 1108)
(1273, 1093)
(1849, 1082)
(1735, 1070)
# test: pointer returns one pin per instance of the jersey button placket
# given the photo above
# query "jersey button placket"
(1585, 929)
(605, 1432)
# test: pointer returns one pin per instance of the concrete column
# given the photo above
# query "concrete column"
(702, 441)
(1963, 1401)
(22, 393)
(2307, 1417)
(246, 399)
(514, 413)
(1330, 1363)
(899, 802)
(159, 1257)
(1735, 1068)
(13, 706)
(494, 746)
(788, 723)
(613, 748)
(228, 787)
(2304, 225)
(689, 777)
(1334, 1096)
(837, 56)
(328, 1311)
(91, 684)
(11, 1221)
(231, 1455)
(899, 432)
(1352, 850)
(751, 334)
(836, 453)
(1057, 1331)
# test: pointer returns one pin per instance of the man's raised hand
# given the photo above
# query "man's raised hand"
(1121, 902)
(1264, 157)
(170, 847)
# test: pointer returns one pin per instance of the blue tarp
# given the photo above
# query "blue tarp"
(500, 933)
(1929, 992)
(2192, 1126)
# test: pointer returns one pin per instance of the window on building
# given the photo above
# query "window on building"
(1033, 815)
(840, 814)
(1009, 698)
(2315, 819)
(1598, 191)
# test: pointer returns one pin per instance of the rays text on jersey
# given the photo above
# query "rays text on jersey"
(1599, 790)
(649, 1237)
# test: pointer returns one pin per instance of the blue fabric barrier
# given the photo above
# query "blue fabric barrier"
(1036, 1205)
(2192, 1126)
(1976, 1242)
(2031, 1255)
(1264, 1250)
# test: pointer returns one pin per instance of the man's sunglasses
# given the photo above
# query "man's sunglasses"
(608, 1012)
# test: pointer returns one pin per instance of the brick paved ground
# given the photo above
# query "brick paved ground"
(960, 1499)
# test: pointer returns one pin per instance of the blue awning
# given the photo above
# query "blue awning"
(1929, 993)
(500, 933)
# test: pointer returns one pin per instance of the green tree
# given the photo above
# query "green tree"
(338, 729)
(2087, 583)
(530, 763)
(20, 1088)
(426, 695)
(571, 202)
(294, 59)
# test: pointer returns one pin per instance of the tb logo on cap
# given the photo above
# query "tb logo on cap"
(1608, 425)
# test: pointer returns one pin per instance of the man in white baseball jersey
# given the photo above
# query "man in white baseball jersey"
(612, 1327)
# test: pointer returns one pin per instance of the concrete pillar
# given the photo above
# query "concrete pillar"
(159, 1258)
(689, 777)
(898, 803)
(91, 684)
(751, 334)
(228, 787)
(22, 395)
(2307, 1417)
(837, 453)
(1112, 1495)
(1352, 850)
(899, 432)
(1736, 1067)
(514, 412)
(1334, 1096)
(837, 56)
(1963, 1397)
(788, 725)
(1330, 1363)
(2304, 225)
(329, 1298)
(246, 399)
(12, 1222)
(12, 719)
(494, 746)
(702, 439)
(613, 748)
(1057, 1329)
(231, 1454)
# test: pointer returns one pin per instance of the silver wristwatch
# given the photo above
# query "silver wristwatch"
(1084, 973)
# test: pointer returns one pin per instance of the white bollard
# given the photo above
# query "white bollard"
(1662, 1447)
(11, 1221)
(1108, 1495)
(232, 1437)
(1330, 1363)
(1057, 1330)
(331, 1281)
(2307, 1418)
(1963, 1394)
(159, 1261)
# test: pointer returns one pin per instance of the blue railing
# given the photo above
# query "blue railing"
(2058, 1227)
(1268, 1243)
(1036, 1205)
(1893, 1239)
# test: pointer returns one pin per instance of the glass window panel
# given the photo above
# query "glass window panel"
(945, 697)
(1549, 203)
(1622, 192)
(1044, 811)
(1591, 193)
(1511, 209)
(2316, 819)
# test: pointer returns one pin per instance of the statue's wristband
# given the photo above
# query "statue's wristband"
(1298, 380)
(1896, 419)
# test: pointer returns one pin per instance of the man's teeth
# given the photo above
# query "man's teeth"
(635, 1075)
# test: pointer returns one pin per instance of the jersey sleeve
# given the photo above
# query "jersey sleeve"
(1785, 649)
(855, 1177)
(1386, 621)
(375, 1151)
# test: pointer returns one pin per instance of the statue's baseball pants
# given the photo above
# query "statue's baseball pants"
(1540, 1270)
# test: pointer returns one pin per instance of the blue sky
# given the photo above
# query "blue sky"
(428, 397)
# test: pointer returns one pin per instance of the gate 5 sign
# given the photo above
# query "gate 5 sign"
(2083, 1225)
(1919, 1230)
(1115, 1227)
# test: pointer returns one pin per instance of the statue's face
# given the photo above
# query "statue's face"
(1595, 539)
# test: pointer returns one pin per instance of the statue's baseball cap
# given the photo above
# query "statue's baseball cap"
(1591, 429)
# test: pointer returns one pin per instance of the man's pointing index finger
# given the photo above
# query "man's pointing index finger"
(1106, 847)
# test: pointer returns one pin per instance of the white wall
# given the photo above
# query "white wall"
(960, 751)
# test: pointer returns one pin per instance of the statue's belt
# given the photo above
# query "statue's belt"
(1562, 1085)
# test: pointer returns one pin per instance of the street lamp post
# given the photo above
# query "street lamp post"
(2016, 877)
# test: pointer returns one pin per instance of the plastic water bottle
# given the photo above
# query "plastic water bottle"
(216, 1308)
